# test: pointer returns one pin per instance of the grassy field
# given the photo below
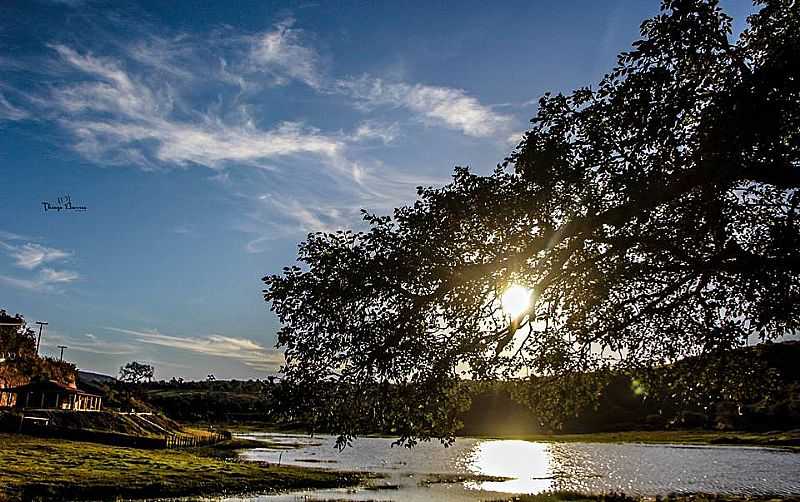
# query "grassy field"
(789, 439)
(35, 468)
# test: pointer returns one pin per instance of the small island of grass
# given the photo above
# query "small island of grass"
(779, 439)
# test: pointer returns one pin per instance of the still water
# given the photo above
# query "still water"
(636, 469)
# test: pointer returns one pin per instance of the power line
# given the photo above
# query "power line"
(39, 339)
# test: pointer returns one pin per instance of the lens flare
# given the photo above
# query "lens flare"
(515, 301)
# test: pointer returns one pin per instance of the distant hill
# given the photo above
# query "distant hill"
(92, 378)
(691, 396)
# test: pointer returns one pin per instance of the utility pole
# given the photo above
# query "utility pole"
(39, 340)
(62, 347)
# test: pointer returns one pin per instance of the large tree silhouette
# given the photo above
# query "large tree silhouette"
(653, 217)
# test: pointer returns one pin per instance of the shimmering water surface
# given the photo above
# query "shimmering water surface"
(635, 469)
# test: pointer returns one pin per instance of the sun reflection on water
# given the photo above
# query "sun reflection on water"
(529, 464)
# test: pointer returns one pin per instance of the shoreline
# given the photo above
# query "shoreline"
(779, 439)
(774, 439)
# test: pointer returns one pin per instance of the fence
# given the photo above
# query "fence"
(175, 441)
(42, 428)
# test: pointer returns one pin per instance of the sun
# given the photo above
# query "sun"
(516, 300)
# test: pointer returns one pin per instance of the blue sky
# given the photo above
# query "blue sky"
(207, 138)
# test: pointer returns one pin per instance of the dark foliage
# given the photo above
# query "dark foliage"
(16, 341)
(135, 372)
(19, 363)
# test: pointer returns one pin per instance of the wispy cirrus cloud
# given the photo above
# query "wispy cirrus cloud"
(16, 282)
(446, 106)
(276, 216)
(51, 276)
(46, 280)
(247, 351)
(9, 111)
(133, 107)
(13, 236)
(283, 54)
(88, 342)
(116, 116)
(273, 216)
(370, 130)
(31, 255)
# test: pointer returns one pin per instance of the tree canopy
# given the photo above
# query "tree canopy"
(652, 216)
(136, 372)
(19, 361)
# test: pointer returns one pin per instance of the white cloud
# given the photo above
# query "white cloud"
(450, 107)
(50, 276)
(515, 138)
(119, 118)
(11, 236)
(282, 53)
(245, 350)
(90, 343)
(136, 108)
(184, 230)
(307, 218)
(122, 113)
(372, 130)
(210, 145)
(278, 216)
(31, 255)
(30, 285)
(46, 281)
(274, 216)
(112, 91)
(165, 55)
(11, 112)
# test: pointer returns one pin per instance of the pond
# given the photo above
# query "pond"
(532, 467)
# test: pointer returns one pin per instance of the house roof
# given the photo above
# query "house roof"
(7, 320)
(47, 386)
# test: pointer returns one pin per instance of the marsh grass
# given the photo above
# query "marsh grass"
(432, 479)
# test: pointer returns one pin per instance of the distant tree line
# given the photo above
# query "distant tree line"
(680, 396)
